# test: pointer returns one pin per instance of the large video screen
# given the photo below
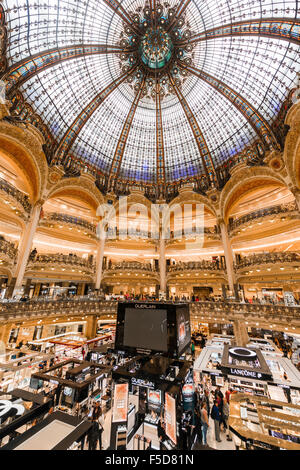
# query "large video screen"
(146, 329)
(183, 329)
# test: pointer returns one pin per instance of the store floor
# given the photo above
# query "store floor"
(211, 441)
(106, 432)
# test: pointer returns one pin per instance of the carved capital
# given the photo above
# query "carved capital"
(213, 195)
(4, 109)
(55, 174)
(237, 167)
(275, 161)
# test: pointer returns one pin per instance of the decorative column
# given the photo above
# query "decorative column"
(99, 260)
(37, 289)
(26, 244)
(81, 288)
(296, 193)
(27, 287)
(4, 335)
(240, 333)
(91, 327)
(228, 254)
(162, 264)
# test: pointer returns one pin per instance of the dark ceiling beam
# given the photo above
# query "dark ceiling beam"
(160, 150)
(200, 140)
(183, 4)
(80, 121)
(120, 148)
(255, 119)
(279, 28)
(122, 13)
(22, 71)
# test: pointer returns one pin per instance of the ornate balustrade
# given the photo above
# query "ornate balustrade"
(70, 261)
(261, 213)
(8, 252)
(130, 266)
(268, 258)
(195, 265)
(69, 220)
(113, 233)
(39, 309)
(190, 233)
(220, 312)
(14, 193)
(226, 312)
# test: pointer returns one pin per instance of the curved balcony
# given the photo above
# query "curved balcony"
(195, 266)
(55, 218)
(189, 234)
(115, 233)
(16, 195)
(58, 262)
(211, 312)
(280, 258)
(129, 271)
(267, 212)
(130, 266)
(8, 254)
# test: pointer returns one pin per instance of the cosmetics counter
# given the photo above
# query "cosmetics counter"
(75, 384)
(248, 370)
(18, 411)
(260, 423)
(147, 389)
(58, 431)
(17, 366)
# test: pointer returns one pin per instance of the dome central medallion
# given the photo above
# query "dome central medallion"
(156, 48)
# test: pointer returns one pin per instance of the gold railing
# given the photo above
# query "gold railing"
(16, 194)
(268, 258)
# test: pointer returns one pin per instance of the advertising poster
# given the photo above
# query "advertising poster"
(170, 418)
(154, 399)
(120, 409)
(183, 329)
(188, 396)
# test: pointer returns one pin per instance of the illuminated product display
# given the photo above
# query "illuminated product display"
(243, 353)
(170, 417)
(120, 408)
(143, 332)
(184, 329)
(154, 399)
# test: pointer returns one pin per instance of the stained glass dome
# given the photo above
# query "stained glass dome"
(148, 92)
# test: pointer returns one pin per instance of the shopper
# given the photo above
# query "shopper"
(225, 419)
(186, 432)
(193, 349)
(94, 435)
(218, 392)
(206, 398)
(204, 422)
(216, 416)
(161, 432)
(198, 425)
(227, 395)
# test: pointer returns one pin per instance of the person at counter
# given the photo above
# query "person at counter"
(225, 416)
(204, 422)
(197, 434)
(206, 399)
(186, 429)
(94, 435)
(216, 416)
(161, 431)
